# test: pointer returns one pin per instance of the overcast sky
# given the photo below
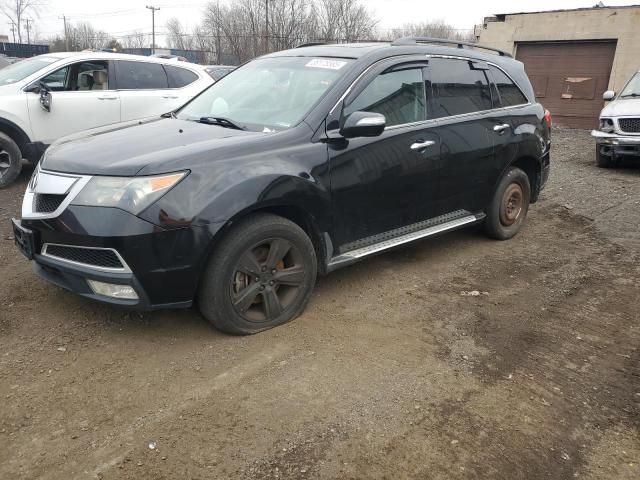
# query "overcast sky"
(120, 17)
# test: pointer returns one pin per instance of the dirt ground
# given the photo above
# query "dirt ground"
(391, 373)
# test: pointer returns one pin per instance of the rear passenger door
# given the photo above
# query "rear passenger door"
(460, 100)
(512, 120)
(143, 88)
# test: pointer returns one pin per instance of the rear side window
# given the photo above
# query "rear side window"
(457, 88)
(140, 75)
(509, 92)
(179, 77)
(398, 95)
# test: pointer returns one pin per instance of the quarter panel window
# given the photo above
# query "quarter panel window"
(398, 95)
(457, 88)
(141, 76)
(179, 77)
(510, 94)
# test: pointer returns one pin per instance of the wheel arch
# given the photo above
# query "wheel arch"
(293, 212)
(533, 168)
(16, 133)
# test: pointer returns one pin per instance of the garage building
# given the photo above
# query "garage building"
(571, 56)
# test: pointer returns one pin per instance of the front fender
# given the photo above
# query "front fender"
(224, 190)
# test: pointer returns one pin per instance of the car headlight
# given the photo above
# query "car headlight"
(132, 194)
(606, 125)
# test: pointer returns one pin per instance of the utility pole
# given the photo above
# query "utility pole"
(28, 37)
(153, 27)
(66, 34)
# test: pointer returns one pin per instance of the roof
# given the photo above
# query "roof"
(116, 56)
(377, 51)
(606, 7)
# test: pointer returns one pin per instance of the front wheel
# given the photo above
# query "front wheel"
(260, 275)
(508, 209)
(603, 161)
(10, 160)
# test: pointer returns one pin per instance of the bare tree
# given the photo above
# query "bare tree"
(136, 39)
(177, 37)
(434, 29)
(16, 10)
(244, 28)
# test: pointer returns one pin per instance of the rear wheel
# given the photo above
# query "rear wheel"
(508, 209)
(10, 160)
(261, 275)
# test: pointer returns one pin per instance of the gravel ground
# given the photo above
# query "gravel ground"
(391, 373)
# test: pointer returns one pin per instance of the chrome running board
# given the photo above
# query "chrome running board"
(461, 219)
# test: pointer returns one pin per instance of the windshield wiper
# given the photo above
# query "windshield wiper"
(222, 122)
(169, 115)
(630, 95)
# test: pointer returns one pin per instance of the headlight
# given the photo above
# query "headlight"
(606, 125)
(132, 194)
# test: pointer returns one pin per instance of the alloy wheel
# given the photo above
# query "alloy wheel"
(5, 162)
(267, 279)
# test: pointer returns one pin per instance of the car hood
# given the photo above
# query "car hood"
(157, 145)
(622, 107)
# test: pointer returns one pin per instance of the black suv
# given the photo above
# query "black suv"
(293, 165)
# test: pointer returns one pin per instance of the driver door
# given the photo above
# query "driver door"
(81, 98)
(384, 183)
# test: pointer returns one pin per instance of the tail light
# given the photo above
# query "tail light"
(547, 118)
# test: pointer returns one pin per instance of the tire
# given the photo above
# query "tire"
(508, 209)
(603, 161)
(279, 286)
(10, 160)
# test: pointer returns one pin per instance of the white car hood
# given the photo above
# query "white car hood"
(622, 108)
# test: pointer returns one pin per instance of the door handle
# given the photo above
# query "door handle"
(501, 128)
(108, 97)
(420, 145)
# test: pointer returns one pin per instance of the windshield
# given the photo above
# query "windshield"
(22, 69)
(633, 87)
(267, 94)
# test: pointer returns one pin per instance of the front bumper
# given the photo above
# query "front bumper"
(162, 265)
(614, 144)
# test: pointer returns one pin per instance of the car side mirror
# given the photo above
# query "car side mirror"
(363, 124)
(45, 97)
(608, 95)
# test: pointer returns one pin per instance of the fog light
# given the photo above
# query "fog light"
(125, 292)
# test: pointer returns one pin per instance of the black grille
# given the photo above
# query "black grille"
(629, 125)
(48, 203)
(88, 256)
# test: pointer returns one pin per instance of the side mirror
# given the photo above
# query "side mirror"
(45, 97)
(363, 124)
(608, 95)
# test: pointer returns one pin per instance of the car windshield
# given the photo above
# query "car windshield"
(268, 94)
(22, 69)
(633, 87)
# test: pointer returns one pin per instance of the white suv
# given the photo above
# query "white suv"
(50, 96)
(619, 134)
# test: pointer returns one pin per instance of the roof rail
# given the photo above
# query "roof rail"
(310, 44)
(442, 41)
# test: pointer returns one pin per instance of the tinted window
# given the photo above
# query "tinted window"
(510, 94)
(398, 95)
(141, 75)
(457, 88)
(179, 77)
